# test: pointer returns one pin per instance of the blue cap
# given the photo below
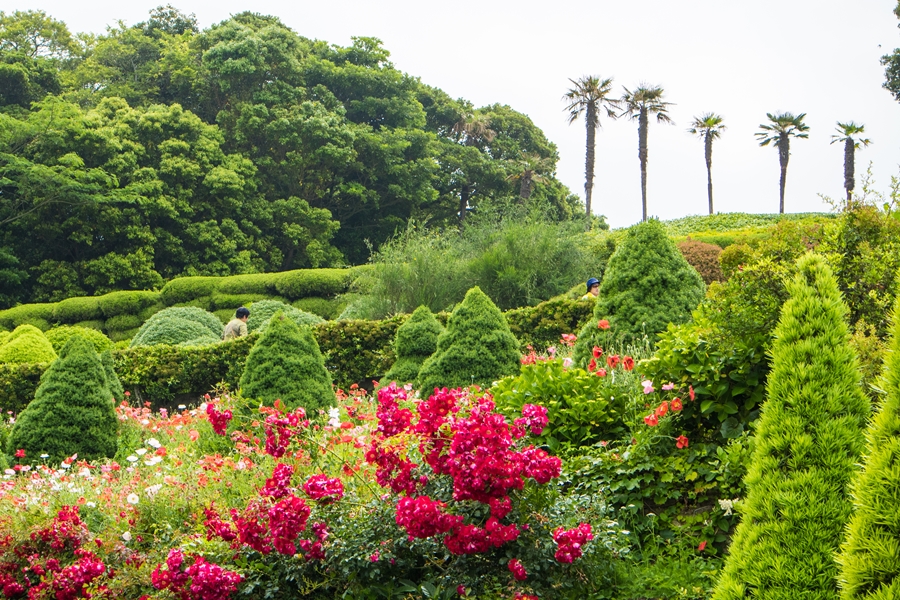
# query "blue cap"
(591, 282)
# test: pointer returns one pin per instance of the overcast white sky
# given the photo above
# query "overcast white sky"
(740, 59)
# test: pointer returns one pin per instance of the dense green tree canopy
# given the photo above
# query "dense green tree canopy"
(159, 150)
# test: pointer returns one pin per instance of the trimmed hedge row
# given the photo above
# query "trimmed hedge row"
(119, 313)
(354, 351)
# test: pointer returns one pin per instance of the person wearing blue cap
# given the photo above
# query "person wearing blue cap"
(593, 289)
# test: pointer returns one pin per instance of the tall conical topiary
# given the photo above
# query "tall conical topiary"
(808, 442)
(869, 560)
(647, 285)
(72, 411)
(112, 380)
(416, 340)
(286, 363)
(476, 348)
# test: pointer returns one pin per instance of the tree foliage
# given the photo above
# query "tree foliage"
(808, 442)
(72, 411)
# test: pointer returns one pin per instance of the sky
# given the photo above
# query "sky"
(739, 59)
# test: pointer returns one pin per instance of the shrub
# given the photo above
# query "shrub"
(185, 289)
(734, 257)
(38, 315)
(126, 303)
(123, 322)
(648, 284)
(58, 336)
(124, 336)
(112, 380)
(259, 284)
(261, 312)
(313, 282)
(416, 340)
(324, 307)
(74, 310)
(26, 345)
(477, 347)
(808, 441)
(868, 565)
(96, 325)
(179, 325)
(704, 258)
(72, 411)
(286, 363)
(222, 301)
(357, 351)
(542, 325)
(18, 383)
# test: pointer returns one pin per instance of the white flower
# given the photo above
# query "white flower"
(9, 472)
(181, 407)
(126, 536)
(154, 442)
(153, 460)
(334, 417)
(567, 362)
(145, 421)
(726, 505)
(132, 458)
(90, 504)
(153, 490)
(45, 456)
(132, 498)
(65, 466)
(141, 451)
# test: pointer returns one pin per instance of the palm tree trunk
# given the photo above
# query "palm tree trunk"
(589, 156)
(784, 153)
(526, 187)
(642, 155)
(708, 141)
(849, 167)
(464, 193)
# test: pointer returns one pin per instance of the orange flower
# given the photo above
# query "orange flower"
(597, 351)
(612, 360)
(602, 324)
(675, 405)
(600, 373)
(194, 435)
(651, 420)
(691, 392)
(702, 546)
(681, 442)
(662, 409)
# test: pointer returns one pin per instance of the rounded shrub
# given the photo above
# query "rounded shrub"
(187, 325)
(58, 336)
(416, 340)
(260, 284)
(126, 303)
(808, 442)
(27, 345)
(476, 348)
(38, 315)
(286, 363)
(734, 257)
(74, 310)
(185, 289)
(704, 258)
(647, 285)
(868, 556)
(72, 411)
(123, 322)
(261, 312)
(313, 282)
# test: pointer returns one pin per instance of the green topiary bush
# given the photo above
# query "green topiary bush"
(260, 284)
(123, 322)
(286, 363)
(27, 344)
(326, 308)
(477, 347)
(74, 310)
(112, 380)
(416, 340)
(185, 289)
(314, 282)
(179, 325)
(808, 442)
(262, 311)
(704, 258)
(127, 303)
(231, 302)
(58, 336)
(72, 411)
(868, 556)
(38, 315)
(647, 285)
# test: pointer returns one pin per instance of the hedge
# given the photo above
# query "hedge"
(354, 351)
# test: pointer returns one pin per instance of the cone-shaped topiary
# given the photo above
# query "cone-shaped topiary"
(869, 560)
(476, 348)
(112, 380)
(647, 285)
(72, 411)
(262, 310)
(286, 363)
(27, 344)
(808, 442)
(416, 340)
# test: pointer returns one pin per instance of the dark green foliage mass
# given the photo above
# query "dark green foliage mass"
(261, 312)
(416, 340)
(647, 285)
(808, 442)
(186, 325)
(868, 557)
(286, 363)
(476, 348)
(112, 380)
(72, 411)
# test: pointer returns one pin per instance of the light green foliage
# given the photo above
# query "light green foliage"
(74, 310)
(327, 308)
(38, 315)
(186, 325)
(261, 312)
(112, 380)
(286, 363)
(647, 285)
(734, 257)
(724, 222)
(808, 442)
(868, 556)
(476, 348)
(26, 344)
(72, 411)
(583, 408)
(58, 337)
(416, 340)
(126, 303)
(122, 323)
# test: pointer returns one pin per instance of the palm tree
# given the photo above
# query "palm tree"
(639, 104)
(588, 96)
(780, 129)
(528, 166)
(473, 130)
(708, 127)
(846, 132)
